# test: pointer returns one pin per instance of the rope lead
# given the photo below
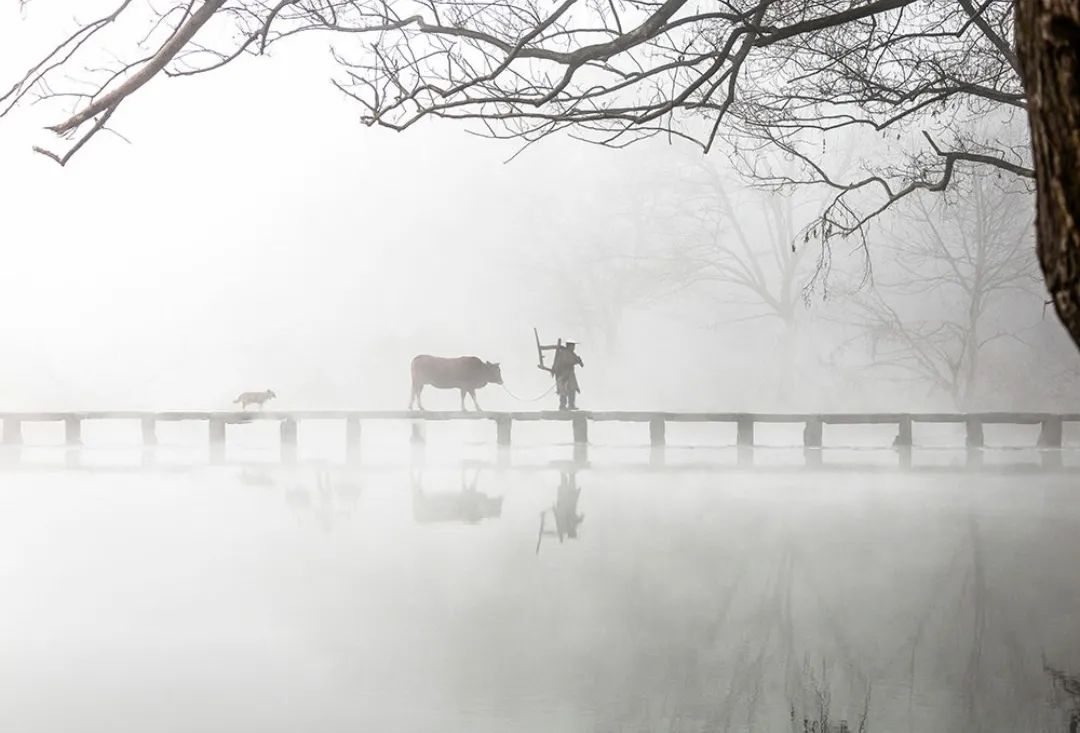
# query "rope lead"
(524, 399)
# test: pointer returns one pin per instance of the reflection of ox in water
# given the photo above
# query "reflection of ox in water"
(564, 511)
(468, 505)
(465, 373)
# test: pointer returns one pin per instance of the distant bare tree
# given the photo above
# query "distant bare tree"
(969, 259)
(701, 237)
(582, 267)
(588, 290)
(737, 244)
(788, 75)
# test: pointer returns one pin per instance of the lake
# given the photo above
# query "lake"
(550, 598)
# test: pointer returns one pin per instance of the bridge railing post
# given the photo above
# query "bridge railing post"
(149, 431)
(353, 433)
(744, 436)
(812, 441)
(812, 433)
(289, 441)
(72, 431)
(217, 440)
(12, 431)
(657, 432)
(903, 433)
(1050, 432)
(418, 433)
(974, 432)
(581, 430)
(502, 430)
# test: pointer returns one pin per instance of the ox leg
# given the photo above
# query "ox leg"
(417, 392)
(472, 393)
(462, 391)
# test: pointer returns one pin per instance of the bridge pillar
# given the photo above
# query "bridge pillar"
(72, 431)
(657, 433)
(502, 430)
(745, 432)
(419, 433)
(905, 457)
(1051, 459)
(1050, 433)
(352, 440)
(903, 433)
(581, 430)
(289, 432)
(149, 431)
(12, 431)
(974, 429)
(811, 435)
(217, 440)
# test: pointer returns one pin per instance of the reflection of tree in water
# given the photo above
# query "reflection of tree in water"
(1066, 694)
(815, 713)
(943, 648)
(468, 506)
(965, 656)
(564, 513)
(741, 656)
(979, 652)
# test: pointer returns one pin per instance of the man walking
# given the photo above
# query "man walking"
(563, 368)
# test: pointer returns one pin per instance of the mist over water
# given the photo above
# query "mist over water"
(548, 597)
(241, 232)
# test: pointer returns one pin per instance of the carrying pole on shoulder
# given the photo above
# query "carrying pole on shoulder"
(539, 352)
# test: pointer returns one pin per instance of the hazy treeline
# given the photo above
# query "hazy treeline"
(320, 270)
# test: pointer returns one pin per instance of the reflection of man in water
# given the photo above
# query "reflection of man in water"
(567, 518)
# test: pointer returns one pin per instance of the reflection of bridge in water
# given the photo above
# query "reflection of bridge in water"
(75, 460)
(1049, 443)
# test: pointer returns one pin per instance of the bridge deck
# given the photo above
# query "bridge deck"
(1050, 434)
(839, 418)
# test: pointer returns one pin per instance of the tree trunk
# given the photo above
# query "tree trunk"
(1048, 47)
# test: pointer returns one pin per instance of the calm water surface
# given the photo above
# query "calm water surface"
(235, 599)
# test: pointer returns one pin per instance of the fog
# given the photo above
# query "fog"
(252, 235)
(243, 232)
(252, 602)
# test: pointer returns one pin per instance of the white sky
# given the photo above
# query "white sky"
(252, 217)
(254, 234)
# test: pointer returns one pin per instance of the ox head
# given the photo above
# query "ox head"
(493, 372)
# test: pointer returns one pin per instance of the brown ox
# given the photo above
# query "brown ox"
(464, 373)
